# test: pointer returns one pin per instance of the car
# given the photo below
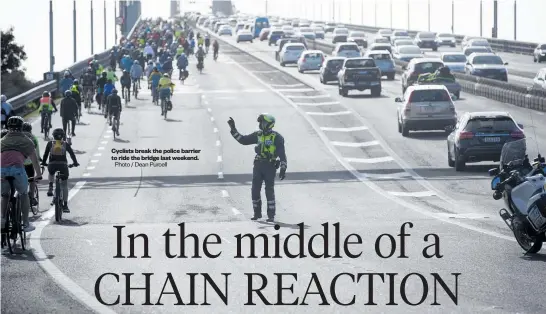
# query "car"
(304, 24)
(386, 33)
(295, 23)
(416, 67)
(480, 136)
(360, 74)
(317, 25)
(466, 39)
(470, 50)
(310, 60)
(245, 35)
(264, 33)
(425, 108)
(377, 46)
(330, 68)
(478, 43)
(399, 35)
(539, 82)
(319, 32)
(287, 28)
(403, 42)
(307, 32)
(290, 53)
(274, 36)
(346, 50)
(445, 39)
(426, 40)
(225, 30)
(455, 61)
(239, 27)
(329, 27)
(381, 40)
(539, 54)
(487, 65)
(340, 35)
(407, 53)
(384, 62)
(359, 38)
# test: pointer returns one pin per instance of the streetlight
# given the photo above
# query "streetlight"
(481, 18)
(408, 15)
(515, 19)
(429, 15)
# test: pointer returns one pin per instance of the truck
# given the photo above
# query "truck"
(359, 74)
(222, 8)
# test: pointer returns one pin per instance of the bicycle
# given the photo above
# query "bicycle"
(115, 125)
(126, 95)
(46, 124)
(89, 99)
(136, 87)
(164, 107)
(13, 227)
(58, 197)
(155, 95)
(34, 195)
(79, 114)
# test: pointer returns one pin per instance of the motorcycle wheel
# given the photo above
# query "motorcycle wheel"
(522, 237)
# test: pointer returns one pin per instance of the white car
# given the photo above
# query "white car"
(310, 60)
(244, 35)
(444, 39)
(290, 53)
(347, 50)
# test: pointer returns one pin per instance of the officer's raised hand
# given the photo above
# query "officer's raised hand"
(231, 123)
(282, 173)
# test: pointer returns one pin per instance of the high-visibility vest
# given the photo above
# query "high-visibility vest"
(45, 103)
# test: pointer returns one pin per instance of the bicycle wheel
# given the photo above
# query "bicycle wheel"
(8, 228)
(19, 213)
(136, 91)
(36, 195)
(46, 127)
(58, 200)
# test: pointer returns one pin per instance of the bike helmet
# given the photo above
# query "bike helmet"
(27, 127)
(104, 74)
(15, 123)
(89, 69)
(66, 74)
(136, 62)
(4, 132)
(114, 91)
(445, 70)
(3, 98)
(267, 122)
(67, 93)
(46, 94)
(76, 82)
(58, 134)
(166, 75)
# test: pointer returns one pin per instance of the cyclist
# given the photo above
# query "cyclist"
(200, 40)
(108, 88)
(29, 167)
(7, 110)
(154, 79)
(67, 82)
(166, 89)
(69, 110)
(88, 80)
(207, 43)
(111, 75)
(200, 54)
(56, 152)
(76, 90)
(149, 69)
(136, 72)
(113, 106)
(168, 66)
(46, 106)
(182, 64)
(100, 89)
(16, 147)
(215, 48)
(125, 85)
(126, 62)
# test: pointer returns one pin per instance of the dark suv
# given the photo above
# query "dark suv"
(330, 68)
(479, 136)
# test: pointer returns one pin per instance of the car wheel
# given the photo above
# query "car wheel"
(339, 90)
(269, 43)
(376, 91)
(399, 126)
(390, 77)
(459, 164)
(405, 130)
(344, 92)
(251, 41)
(435, 49)
(450, 161)
(321, 80)
(535, 59)
(282, 64)
(237, 41)
(458, 95)
(299, 70)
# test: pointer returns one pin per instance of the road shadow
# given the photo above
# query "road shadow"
(130, 107)
(79, 152)
(173, 120)
(71, 223)
(365, 96)
(534, 258)
(20, 255)
(428, 135)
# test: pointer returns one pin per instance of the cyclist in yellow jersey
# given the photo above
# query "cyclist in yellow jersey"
(200, 41)
(166, 89)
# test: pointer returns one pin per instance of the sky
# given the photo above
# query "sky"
(30, 19)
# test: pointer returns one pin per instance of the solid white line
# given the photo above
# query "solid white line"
(100, 148)
(295, 90)
(308, 97)
(109, 131)
(47, 265)
(218, 143)
(215, 130)
(87, 174)
(202, 96)
(362, 144)
(315, 104)
(220, 175)
(412, 194)
(286, 85)
(212, 119)
(396, 175)
(225, 193)
(265, 72)
(235, 211)
(370, 160)
(104, 142)
(107, 136)
(250, 62)
(353, 129)
(98, 154)
(219, 159)
(463, 216)
(339, 113)
(90, 168)
(540, 113)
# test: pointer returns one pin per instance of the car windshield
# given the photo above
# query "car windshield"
(427, 35)
(306, 30)
(454, 58)
(318, 29)
(381, 47)
(543, 47)
(341, 31)
(385, 32)
(427, 67)
(358, 34)
(380, 56)
(468, 52)
(445, 35)
(429, 95)
(348, 48)
(487, 60)
(313, 55)
(488, 124)
(480, 43)
(295, 48)
(401, 34)
(381, 40)
(335, 63)
(409, 50)
(359, 63)
(403, 43)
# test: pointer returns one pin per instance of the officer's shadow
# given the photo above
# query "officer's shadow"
(266, 224)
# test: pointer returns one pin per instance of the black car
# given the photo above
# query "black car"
(426, 40)
(479, 136)
(330, 68)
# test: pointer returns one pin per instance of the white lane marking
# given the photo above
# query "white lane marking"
(295, 90)
(100, 148)
(215, 130)
(220, 175)
(218, 143)
(219, 159)
(412, 194)
(94, 160)
(104, 142)
(314, 104)
(370, 160)
(250, 62)
(369, 183)
(309, 97)
(90, 168)
(87, 174)
(339, 113)
(225, 193)
(396, 175)
(218, 91)
(540, 113)
(362, 144)
(212, 119)
(235, 211)
(209, 110)
(353, 129)
(202, 96)
(47, 265)
(266, 72)
(286, 85)
(109, 131)
(107, 136)
(98, 154)
(463, 216)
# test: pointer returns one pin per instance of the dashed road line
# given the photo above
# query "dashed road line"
(97, 155)
(225, 193)
(219, 159)
(235, 211)
(353, 129)
(104, 142)
(370, 160)
(87, 174)
(286, 85)
(209, 110)
(338, 113)
(101, 148)
(361, 144)
(218, 143)
(295, 90)
(308, 97)
(316, 104)
(412, 194)
(94, 160)
(90, 168)
(215, 130)
(220, 175)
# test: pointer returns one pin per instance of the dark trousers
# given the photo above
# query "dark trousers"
(264, 171)
(65, 125)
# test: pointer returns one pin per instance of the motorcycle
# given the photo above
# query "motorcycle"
(522, 185)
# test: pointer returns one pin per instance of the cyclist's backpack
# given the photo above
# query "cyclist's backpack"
(58, 148)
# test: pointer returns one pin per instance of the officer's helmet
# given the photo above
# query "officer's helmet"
(266, 121)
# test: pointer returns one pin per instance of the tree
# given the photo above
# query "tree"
(12, 53)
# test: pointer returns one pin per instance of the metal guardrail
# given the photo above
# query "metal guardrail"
(19, 102)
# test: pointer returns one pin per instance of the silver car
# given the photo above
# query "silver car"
(539, 54)
(444, 39)
(455, 61)
(291, 53)
(539, 82)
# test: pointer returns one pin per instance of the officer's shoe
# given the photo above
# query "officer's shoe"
(256, 217)
(65, 208)
(270, 219)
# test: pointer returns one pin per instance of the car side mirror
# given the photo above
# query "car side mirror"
(506, 63)
(404, 67)
(520, 126)
(398, 99)
(468, 63)
(541, 79)
(493, 172)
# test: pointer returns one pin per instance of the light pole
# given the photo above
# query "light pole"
(408, 15)
(375, 13)
(495, 19)
(51, 56)
(453, 16)
(92, 37)
(391, 14)
(515, 20)
(74, 27)
(104, 24)
(429, 15)
(481, 18)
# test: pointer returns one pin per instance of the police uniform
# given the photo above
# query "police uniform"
(269, 146)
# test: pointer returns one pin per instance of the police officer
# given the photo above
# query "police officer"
(270, 146)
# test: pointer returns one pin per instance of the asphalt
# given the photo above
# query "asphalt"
(212, 195)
